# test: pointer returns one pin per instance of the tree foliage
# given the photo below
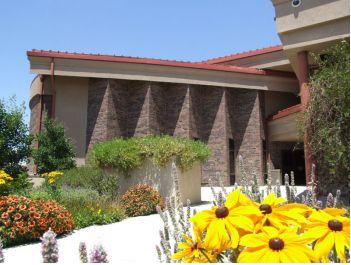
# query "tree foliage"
(55, 150)
(14, 138)
(327, 117)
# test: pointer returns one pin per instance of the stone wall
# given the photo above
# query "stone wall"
(120, 108)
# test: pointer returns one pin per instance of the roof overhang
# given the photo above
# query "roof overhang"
(116, 67)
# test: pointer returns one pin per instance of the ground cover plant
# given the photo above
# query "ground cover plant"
(89, 204)
(128, 154)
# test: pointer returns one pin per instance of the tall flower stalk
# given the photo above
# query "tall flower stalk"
(83, 255)
(2, 258)
(49, 247)
(98, 255)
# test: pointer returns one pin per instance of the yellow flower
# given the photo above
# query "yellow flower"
(274, 246)
(52, 176)
(4, 177)
(223, 224)
(193, 251)
(274, 212)
(330, 230)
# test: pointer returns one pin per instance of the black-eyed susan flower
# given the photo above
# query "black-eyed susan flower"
(274, 246)
(224, 223)
(194, 250)
(274, 212)
(331, 231)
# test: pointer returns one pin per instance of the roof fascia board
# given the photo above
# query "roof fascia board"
(161, 73)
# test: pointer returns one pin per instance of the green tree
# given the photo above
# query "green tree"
(327, 118)
(55, 150)
(14, 138)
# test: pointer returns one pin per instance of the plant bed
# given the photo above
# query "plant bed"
(148, 160)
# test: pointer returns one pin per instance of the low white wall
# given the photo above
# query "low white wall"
(160, 179)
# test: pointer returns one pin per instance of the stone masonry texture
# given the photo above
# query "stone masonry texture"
(122, 108)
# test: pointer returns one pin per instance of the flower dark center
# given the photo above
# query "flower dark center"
(276, 243)
(194, 246)
(335, 225)
(265, 208)
(222, 212)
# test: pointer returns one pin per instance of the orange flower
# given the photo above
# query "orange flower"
(36, 215)
(31, 224)
(5, 215)
(32, 209)
(23, 207)
(61, 215)
(17, 216)
(10, 209)
(7, 223)
(19, 224)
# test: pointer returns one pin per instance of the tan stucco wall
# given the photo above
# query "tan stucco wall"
(160, 179)
(284, 129)
(309, 13)
(71, 110)
(276, 101)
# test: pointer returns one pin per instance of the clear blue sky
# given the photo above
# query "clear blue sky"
(179, 29)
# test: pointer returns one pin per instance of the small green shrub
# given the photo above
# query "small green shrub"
(93, 178)
(55, 150)
(141, 200)
(86, 205)
(98, 216)
(127, 154)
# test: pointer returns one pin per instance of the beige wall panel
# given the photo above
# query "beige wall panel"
(71, 110)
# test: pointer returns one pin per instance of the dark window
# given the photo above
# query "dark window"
(231, 162)
(294, 160)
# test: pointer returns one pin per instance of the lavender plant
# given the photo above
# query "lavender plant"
(98, 255)
(49, 247)
(175, 221)
(2, 258)
(83, 255)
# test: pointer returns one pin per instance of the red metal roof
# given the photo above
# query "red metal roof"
(244, 54)
(149, 61)
(286, 112)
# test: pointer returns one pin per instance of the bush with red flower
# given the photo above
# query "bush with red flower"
(140, 200)
(24, 220)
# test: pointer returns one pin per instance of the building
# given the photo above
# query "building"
(243, 104)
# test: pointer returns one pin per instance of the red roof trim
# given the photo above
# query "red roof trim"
(244, 54)
(286, 112)
(137, 60)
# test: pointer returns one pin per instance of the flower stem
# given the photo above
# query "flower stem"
(202, 251)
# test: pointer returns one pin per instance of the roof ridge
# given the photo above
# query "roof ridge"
(244, 54)
(151, 61)
(112, 55)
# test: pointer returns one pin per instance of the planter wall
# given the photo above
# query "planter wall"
(161, 179)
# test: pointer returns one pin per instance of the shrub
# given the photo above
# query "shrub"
(55, 150)
(127, 154)
(327, 118)
(141, 200)
(14, 145)
(23, 219)
(91, 178)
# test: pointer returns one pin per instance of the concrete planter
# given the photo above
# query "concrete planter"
(160, 179)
